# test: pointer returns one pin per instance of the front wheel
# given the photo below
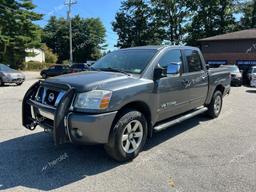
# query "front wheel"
(214, 108)
(1, 82)
(128, 136)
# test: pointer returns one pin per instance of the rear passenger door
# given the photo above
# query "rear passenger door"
(195, 78)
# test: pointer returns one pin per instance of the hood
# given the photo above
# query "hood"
(88, 80)
(12, 71)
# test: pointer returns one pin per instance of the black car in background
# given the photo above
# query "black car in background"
(55, 70)
(236, 75)
(78, 67)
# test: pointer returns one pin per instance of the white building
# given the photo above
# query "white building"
(39, 55)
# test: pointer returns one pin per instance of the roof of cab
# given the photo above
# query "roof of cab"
(160, 47)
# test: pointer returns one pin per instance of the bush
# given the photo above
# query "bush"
(65, 62)
(35, 66)
(50, 57)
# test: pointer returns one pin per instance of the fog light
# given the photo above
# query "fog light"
(77, 133)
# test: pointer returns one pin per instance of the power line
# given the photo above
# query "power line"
(69, 3)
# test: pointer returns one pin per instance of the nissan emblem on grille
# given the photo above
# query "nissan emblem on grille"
(51, 97)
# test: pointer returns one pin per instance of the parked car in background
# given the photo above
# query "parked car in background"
(90, 63)
(253, 77)
(249, 73)
(78, 67)
(236, 75)
(128, 95)
(55, 70)
(9, 75)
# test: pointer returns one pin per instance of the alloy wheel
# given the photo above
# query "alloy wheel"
(132, 136)
(217, 104)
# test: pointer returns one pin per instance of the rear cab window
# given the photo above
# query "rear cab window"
(194, 62)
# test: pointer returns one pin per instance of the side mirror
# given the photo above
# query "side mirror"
(159, 73)
(173, 68)
(207, 66)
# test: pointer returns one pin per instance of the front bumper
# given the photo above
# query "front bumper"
(85, 128)
(13, 80)
(66, 125)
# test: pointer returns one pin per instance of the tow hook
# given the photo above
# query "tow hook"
(32, 126)
(35, 123)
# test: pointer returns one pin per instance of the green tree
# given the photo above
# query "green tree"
(50, 57)
(134, 26)
(248, 19)
(210, 18)
(17, 30)
(170, 17)
(88, 38)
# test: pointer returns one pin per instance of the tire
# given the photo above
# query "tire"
(117, 148)
(214, 108)
(44, 76)
(1, 82)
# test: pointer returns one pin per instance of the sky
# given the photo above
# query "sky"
(104, 9)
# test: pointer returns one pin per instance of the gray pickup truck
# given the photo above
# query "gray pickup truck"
(126, 96)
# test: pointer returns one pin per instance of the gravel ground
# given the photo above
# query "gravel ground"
(197, 155)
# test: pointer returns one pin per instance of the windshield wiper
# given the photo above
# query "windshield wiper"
(113, 70)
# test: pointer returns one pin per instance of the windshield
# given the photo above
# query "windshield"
(5, 68)
(131, 61)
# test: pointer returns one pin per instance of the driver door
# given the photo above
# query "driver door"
(173, 96)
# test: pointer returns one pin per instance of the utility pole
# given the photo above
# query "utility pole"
(69, 4)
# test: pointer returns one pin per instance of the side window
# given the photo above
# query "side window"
(172, 56)
(52, 68)
(59, 68)
(193, 60)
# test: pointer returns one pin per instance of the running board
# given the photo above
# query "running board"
(180, 119)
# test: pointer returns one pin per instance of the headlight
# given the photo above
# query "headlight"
(96, 99)
(239, 75)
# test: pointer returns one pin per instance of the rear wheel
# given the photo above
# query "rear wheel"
(214, 108)
(128, 136)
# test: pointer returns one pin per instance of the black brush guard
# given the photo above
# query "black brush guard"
(60, 113)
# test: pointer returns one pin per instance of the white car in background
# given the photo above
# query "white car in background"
(253, 77)
(8, 75)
